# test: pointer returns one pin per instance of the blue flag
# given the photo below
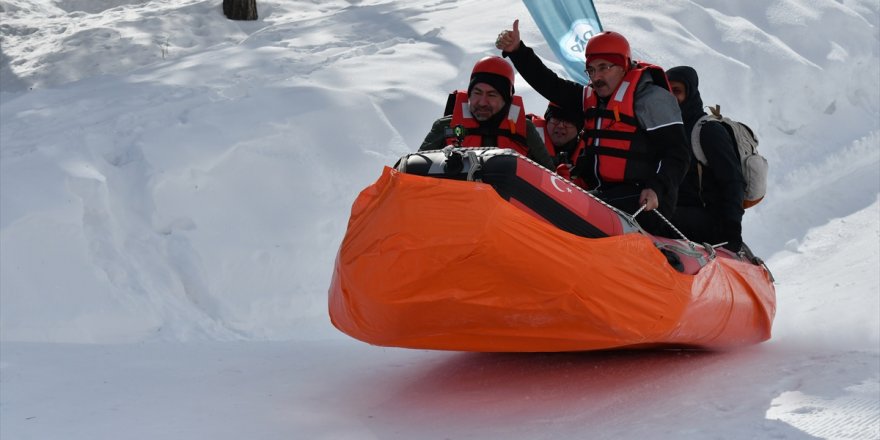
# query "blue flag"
(567, 25)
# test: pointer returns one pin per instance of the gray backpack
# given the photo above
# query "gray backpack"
(754, 166)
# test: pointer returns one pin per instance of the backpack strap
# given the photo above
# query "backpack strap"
(699, 154)
(695, 139)
(700, 182)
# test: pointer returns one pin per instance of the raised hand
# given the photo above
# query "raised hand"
(508, 40)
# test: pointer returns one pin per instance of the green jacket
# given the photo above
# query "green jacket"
(436, 139)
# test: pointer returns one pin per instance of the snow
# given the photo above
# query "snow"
(175, 187)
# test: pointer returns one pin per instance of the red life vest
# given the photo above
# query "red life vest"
(616, 147)
(511, 132)
(541, 124)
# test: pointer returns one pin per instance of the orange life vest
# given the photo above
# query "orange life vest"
(510, 133)
(616, 147)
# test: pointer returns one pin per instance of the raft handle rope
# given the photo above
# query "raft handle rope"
(710, 249)
(657, 211)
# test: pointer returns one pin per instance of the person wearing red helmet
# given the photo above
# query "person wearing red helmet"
(635, 152)
(491, 115)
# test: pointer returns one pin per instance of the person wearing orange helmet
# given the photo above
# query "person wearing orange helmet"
(490, 114)
(635, 153)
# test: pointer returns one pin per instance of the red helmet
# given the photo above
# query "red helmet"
(497, 66)
(609, 42)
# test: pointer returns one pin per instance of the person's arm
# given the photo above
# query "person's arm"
(674, 159)
(657, 111)
(565, 93)
(537, 150)
(436, 138)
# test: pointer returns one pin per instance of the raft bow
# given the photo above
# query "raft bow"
(485, 250)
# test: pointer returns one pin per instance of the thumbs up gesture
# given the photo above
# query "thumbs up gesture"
(508, 40)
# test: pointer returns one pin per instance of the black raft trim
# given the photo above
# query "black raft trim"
(500, 172)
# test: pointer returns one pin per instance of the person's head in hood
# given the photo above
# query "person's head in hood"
(490, 88)
(685, 86)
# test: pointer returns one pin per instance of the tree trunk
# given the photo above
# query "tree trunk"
(240, 9)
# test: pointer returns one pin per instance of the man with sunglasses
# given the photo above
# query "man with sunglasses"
(635, 153)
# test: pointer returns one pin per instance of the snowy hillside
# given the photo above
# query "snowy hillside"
(174, 187)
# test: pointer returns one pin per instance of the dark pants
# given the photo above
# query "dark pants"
(703, 226)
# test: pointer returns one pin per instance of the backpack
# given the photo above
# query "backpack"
(754, 166)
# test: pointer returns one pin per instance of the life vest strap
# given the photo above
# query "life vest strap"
(626, 154)
(486, 131)
(595, 113)
(609, 134)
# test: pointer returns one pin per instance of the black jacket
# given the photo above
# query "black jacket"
(722, 186)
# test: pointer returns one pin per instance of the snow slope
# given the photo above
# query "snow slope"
(175, 185)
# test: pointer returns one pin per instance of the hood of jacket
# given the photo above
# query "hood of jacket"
(692, 107)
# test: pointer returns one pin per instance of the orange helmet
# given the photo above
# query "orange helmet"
(496, 66)
(609, 43)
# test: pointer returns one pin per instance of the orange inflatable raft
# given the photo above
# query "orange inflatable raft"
(488, 251)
